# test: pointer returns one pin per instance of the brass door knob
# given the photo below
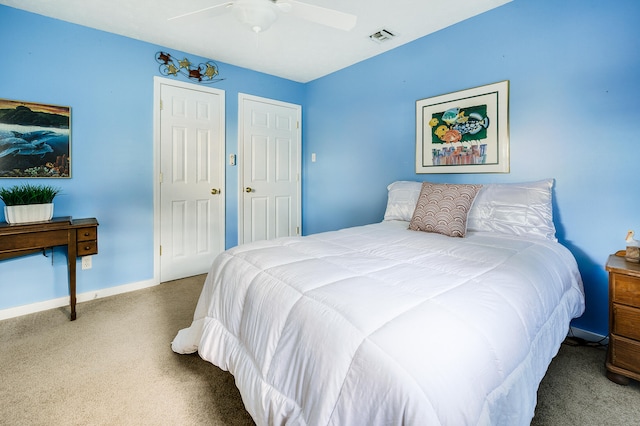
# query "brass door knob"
(248, 189)
(215, 191)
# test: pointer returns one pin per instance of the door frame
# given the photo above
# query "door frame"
(241, 185)
(157, 83)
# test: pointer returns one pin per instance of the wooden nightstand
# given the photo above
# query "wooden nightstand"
(623, 356)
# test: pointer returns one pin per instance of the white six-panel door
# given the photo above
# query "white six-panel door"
(270, 145)
(192, 179)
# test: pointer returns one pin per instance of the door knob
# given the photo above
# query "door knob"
(215, 191)
(248, 189)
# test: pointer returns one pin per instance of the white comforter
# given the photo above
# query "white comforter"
(379, 325)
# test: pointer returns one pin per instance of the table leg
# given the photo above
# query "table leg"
(72, 257)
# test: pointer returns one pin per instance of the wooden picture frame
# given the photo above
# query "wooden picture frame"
(465, 131)
(35, 140)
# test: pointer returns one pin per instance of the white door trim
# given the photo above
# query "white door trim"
(157, 82)
(241, 98)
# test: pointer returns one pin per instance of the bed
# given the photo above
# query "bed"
(386, 325)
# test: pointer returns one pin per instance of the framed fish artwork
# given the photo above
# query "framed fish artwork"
(464, 132)
(35, 140)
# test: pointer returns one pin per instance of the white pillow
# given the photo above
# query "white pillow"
(522, 209)
(402, 200)
(512, 208)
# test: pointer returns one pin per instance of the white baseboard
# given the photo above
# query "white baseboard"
(81, 297)
(588, 335)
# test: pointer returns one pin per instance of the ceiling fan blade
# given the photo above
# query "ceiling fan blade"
(210, 11)
(318, 14)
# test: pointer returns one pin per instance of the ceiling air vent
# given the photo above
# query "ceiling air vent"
(382, 36)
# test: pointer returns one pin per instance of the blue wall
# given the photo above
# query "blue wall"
(574, 72)
(573, 69)
(108, 81)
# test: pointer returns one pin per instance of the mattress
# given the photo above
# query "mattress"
(380, 325)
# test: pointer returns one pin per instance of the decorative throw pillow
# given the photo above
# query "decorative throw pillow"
(442, 208)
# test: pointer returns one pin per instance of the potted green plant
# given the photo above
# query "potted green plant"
(28, 203)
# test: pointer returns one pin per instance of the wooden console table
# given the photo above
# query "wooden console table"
(79, 235)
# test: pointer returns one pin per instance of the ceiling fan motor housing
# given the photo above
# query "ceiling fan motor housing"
(257, 14)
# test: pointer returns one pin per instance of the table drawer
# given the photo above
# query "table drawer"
(87, 234)
(86, 248)
(626, 290)
(625, 353)
(626, 321)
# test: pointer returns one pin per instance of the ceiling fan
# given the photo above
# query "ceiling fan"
(259, 15)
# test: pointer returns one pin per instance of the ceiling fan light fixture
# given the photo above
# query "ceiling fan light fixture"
(257, 15)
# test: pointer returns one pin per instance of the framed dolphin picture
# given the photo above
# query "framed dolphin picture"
(464, 132)
(35, 140)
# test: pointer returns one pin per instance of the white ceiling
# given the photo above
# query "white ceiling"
(292, 48)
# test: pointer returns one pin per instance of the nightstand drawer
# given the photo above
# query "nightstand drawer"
(625, 353)
(87, 234)
(86, 248)
(626, 321)
(626, 290)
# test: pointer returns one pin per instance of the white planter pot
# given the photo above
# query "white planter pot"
(28, 213)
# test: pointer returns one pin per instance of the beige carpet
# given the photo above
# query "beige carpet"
(114, 366)
(575, 391)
